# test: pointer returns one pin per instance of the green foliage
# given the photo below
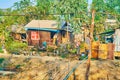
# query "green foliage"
(73, 51)
(1, 51)
(19, 5)
(70, 49)
(110, 9)
(1, 60)
(70, 6)
(82, 57)
(44, 9)
(82, 45)
(73, 11)
(18, 66)
(64, 55)
(50, 49)
(16, 47)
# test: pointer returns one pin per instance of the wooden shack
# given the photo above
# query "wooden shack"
(18, 33)
(39, 31)
(112, 39)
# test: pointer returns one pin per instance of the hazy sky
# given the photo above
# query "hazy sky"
(8, 3)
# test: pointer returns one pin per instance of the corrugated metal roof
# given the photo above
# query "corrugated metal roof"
(107, 33)
(42, 24)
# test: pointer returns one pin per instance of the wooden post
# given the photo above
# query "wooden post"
(91, 39)
(92, 25)
(67, 31)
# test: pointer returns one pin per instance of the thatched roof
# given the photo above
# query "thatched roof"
(18, 29)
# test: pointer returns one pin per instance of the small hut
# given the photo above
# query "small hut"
(112, 38)
(18, 33)
(39, 31)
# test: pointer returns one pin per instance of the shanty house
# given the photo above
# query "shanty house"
(113, 37)
(39, 31)
(18, 33)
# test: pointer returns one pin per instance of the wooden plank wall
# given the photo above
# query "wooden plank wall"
(44, 36)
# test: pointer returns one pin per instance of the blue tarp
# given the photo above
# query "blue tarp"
(42, 29)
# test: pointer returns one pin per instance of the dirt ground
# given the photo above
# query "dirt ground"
(99, 70)
(55, 68)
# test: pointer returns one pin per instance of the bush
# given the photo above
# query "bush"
(73, 51)
(1, 51)
(15, 47)
(64, 55)
(1, 60)
(82, 45)
(50, 49)
(83, 57)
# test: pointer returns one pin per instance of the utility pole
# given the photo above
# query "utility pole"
(90, 52)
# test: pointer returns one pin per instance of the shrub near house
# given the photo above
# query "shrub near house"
(1, 51)
(15, 47)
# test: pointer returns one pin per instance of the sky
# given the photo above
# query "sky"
(8, 3)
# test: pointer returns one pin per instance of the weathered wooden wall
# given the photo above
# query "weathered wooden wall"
(44, 36)
(16, 36)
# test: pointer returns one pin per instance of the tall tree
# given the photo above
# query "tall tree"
(74, 11)
(22, 4)
(108, 10)
(44, 9)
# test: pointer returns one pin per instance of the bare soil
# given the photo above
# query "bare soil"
(56, 68)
